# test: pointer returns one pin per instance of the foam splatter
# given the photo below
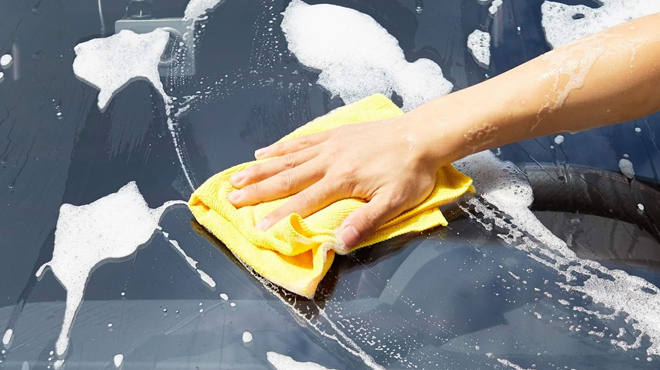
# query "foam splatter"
(208, 280)
(247, 337)
(197, 9)
(5, 61)
(111, 228)
(626, 168)
(566, 23)
(495, 6)
(478, 43)
(118, 361)
(111, 63)
(357, 57)
(634, 299)
(6, 339)
(282, 362)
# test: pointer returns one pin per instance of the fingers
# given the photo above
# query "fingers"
(305, 203)
(290, 146)
(279, 186)
(366, 219)
(262, 171)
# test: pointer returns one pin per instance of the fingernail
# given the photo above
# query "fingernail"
(350, 236)
(234, 195)
(262, 225)
(237, 177)
(260, 152)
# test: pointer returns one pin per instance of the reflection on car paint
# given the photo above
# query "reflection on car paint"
(356, 338)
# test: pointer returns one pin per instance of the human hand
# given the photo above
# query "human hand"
(386, 163)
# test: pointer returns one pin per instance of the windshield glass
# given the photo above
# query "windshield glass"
(113, 112)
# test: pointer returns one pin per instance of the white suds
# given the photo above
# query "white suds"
(193, 264)
(111, 63)
(6, 339)
(566, 23)
(559, 139)
(632, 298)
(356, 56)
(118, 361)
(478, 43)
(5, 61)
(282, 362)
(495, 6)
(626, 168)
(247, 337)
(111, 228)
(224, 296)
(510, 364)
(196, 9)
(640, 206)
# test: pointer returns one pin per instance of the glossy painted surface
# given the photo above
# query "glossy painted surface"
(444, 299)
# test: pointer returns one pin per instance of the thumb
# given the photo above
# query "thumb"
(366, 219)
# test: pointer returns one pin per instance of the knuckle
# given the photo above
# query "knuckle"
(368, 220)
(252, 172)
(289, 161)
(302, 142)
(396, 200)
(288, 180)
(275, 148)
(253, 190)
(305, 199)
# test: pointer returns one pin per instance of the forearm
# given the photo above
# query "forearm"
(607, 78)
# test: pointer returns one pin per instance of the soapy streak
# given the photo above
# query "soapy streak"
(482, 134)
(208, 280)
(111, 228)
(625, 295)
(569, 72)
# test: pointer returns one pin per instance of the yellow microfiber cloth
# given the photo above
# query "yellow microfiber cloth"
(296, 253)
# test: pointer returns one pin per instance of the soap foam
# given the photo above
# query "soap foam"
(626, 168)
(510, 364)
(357, 57)
(109, 229)
(247, 337)
(568, 70)
(478, 43)
(6, 339)
(5, 61)
(111, 63)
(197, 9)
(208, 280)
(561, 28)
(118, 360)
(504, 186)
(495, 6)
(559, 139)
(282, 362)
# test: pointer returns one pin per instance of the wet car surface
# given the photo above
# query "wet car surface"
(453, 297)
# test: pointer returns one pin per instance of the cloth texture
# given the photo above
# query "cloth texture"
(296, 253)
